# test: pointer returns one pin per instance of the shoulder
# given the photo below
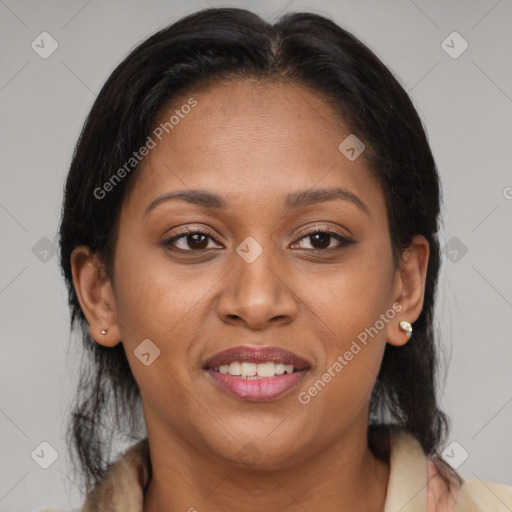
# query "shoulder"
(451, 492)
(476, 495)
(445, 491)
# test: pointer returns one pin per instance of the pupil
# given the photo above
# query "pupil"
(196, 237)
(322, 238)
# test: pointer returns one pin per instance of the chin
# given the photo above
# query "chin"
(254, 452)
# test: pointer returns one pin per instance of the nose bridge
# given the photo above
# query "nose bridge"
(256, 272)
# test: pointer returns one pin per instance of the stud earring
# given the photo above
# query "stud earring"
(406, 327)
(104, 331)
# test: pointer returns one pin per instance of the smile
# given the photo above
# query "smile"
(256, 374)
(255, 371)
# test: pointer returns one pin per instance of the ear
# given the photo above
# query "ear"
(409, 288)
(94, 291)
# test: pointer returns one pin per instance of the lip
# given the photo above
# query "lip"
(251, 354)
(257, 390)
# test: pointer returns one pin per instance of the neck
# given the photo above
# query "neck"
(344, 476)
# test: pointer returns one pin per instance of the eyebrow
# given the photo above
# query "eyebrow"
(294, 200)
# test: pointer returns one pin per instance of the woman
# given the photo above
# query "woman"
(249, 239)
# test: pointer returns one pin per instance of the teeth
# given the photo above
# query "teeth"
(266, 369)
(253, 370)
(280, 368)
(248, 369)
(234, 368)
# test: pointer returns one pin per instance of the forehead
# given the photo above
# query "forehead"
(251, 139)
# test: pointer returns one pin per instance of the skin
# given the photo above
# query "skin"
(254, 143)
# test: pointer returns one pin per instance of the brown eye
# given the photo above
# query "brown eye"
(321, 240)
(190, 241)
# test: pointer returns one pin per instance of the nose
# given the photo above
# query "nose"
(258, 294)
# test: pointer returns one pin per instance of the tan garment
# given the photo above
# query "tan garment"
(415, 484)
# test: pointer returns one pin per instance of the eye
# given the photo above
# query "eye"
(322, 238)
(190, 241)
(197, 240)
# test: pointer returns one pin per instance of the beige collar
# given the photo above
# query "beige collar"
(407, 487)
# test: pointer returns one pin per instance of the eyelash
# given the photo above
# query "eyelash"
(342, 239)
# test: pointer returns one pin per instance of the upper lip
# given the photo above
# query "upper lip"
(251, 354)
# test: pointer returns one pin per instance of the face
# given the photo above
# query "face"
(263, 264)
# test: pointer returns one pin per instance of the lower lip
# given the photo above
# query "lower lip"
(257, 390)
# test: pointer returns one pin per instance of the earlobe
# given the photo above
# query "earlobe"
(94, 291)
(400, 332)
(410, 290)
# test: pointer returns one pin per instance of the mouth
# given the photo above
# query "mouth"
(256, 374)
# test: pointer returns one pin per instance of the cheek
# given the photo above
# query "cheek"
(156, 297)
(166, 303)
(354, 311)
(356, 338)
(350, 299)
(157, 301)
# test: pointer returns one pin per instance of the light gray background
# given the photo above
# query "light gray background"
(466, 106)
